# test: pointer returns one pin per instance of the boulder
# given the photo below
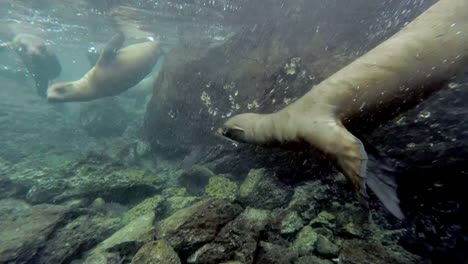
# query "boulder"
(124, 243)
(26, 228)
(236, 241)
(156, 252)
(191, 227)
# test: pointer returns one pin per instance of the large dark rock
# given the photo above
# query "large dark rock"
(191, 227)
(236, 241)
(367, 252)
(25, 228)
(81, 234)
(156, 252)
(95, 175)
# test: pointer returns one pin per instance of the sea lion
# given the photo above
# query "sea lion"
(393, 76)
(115, 71)
(38, 59)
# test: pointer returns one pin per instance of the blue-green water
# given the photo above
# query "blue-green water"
(144, 177)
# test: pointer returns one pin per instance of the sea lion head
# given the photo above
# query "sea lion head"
(29, 45)
(240, 128)
(60, 92)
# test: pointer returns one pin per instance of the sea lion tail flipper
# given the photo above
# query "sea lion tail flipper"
(41, 85)
(353, 160)
(381, 180)
(112, 46)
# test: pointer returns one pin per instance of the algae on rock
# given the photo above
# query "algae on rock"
(222, 188)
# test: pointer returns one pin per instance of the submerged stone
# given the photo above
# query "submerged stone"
(195, 179)
(304, 244)
(326, 248)
(312, 260)
(236, 241)
(125, 242)
(372, 252)
(147, 206)
(25, 228)
(263, 191)
(222, 188)
(81, 234)
(156, 252)
(269, 253)
(324, 219)
(190, 227)
(291, 223)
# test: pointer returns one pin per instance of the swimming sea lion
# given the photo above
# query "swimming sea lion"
(115, 71)
(38, 59)
(398, 73)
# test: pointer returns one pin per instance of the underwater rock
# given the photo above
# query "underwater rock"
(96, 175)
(350, 230)
(125, 242)
(222, 188)
(261, 190)
(326, 248)
(189, 228)
(149, 205)
(25, 228)
(304, 243)
(269, 253)
(290, 223)
(195, 179)
(324, 219)
(236, 241)
(172, 204)
(156, 252)
(103, 118)
(76, 237)
(307, 199)
(312, 260)
(10, 189)
(372, 252)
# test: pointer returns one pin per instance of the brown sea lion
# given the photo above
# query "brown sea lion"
(115, 71)
(395, 75)
(38, 59)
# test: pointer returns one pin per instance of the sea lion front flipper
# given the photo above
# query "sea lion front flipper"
(114, 44)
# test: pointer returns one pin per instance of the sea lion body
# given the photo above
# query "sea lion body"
(38, 59)
(116, 71)
(390, 78)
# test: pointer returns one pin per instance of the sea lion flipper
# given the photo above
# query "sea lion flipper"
(42, 83)
(353, 161)
(112, 46)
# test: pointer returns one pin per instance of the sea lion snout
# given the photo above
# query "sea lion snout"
(233, 133)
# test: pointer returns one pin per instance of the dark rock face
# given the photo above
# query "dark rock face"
(355, 251)
(236, 241)
(79, 235)
(260, 189)
(25, 228)
(156, 252)
(189, 228)
(95, 175)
